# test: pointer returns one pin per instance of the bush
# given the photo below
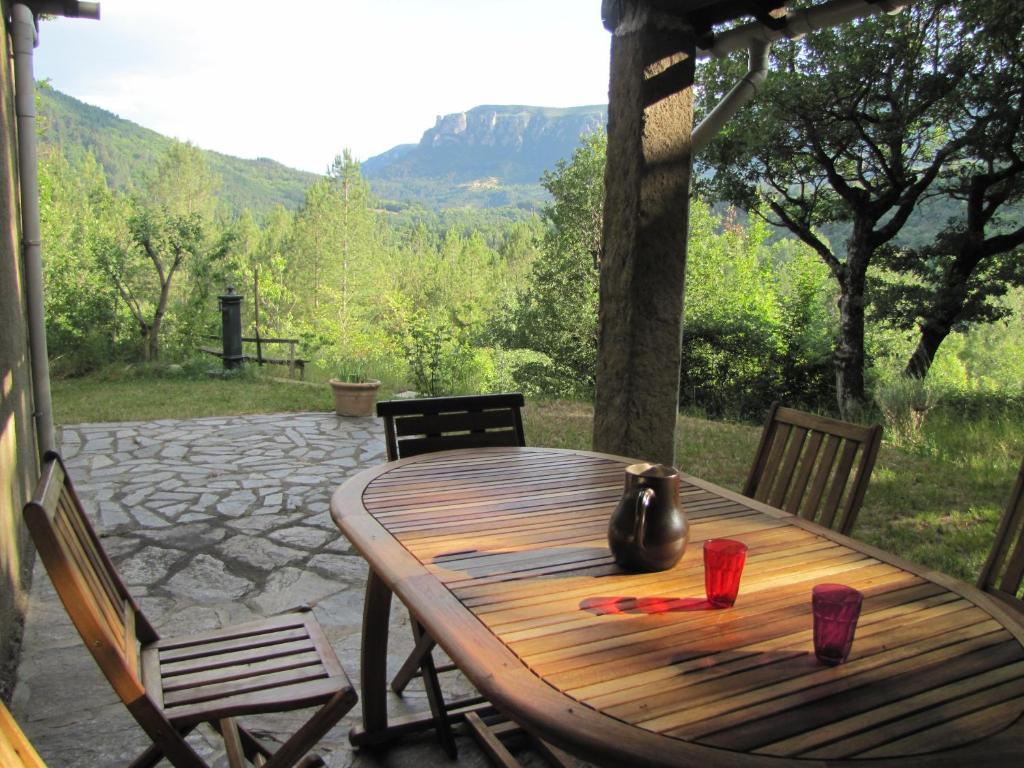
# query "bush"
(904, 403)
(440, 358)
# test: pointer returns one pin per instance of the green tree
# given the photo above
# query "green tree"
(973, 260)
(356, 233)
(272, 300)
(557, 313)
(313, 249)
(851, 127)
(168, 225)
(78, 214)
(162, 241)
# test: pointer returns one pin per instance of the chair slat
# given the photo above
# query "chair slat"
(784, 477)
(238, 671)
(796, 468)
(227, 658)
(282, 698)
(252, 683)
(285, 621)
(247, 643)
(108, 607)
(799, 486)
(777, 447)
(1003, 572)
(816, 423)
(820, 475)
(417, 445)
(839, 480)
(422, 405)
(470, 421)
(15, 749)
(76, 522)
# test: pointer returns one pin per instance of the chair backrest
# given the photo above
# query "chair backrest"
(429, 424)
(804, 464)
(1003, 572)
(15, 749)
(106, 616)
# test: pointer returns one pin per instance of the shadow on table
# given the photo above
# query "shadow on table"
(603, 606)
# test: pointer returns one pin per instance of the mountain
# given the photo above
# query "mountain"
(127, 151)
(490, 155)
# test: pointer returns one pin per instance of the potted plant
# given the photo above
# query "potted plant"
(354, 394)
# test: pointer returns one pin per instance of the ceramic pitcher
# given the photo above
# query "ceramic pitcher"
(648, 530)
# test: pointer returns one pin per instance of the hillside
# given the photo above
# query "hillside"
(488, 156)
(126, 151)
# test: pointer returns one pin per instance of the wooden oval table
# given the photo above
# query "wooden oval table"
(501, 554)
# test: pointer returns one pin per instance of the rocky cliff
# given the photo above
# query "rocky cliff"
(496, 144)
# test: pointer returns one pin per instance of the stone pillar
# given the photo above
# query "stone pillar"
(643, 267)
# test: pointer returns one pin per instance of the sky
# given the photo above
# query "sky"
(300, 82)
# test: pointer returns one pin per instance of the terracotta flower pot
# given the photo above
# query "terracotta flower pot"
(354, 398)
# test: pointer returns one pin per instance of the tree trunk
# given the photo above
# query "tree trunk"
(949, 302)
(161, 310)
(647, 178)
(932, 335)
(849, 351)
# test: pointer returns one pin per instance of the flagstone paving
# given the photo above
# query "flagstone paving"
(210, 522)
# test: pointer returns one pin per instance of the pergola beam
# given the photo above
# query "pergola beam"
(647, 181)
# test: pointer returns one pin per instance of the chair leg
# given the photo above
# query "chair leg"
(435, 698)
(424, 646)
(304, 739)
(257, 752)
(489, 743)
(155, 754)
(232, 742)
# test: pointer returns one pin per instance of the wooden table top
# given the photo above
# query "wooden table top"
(502, 555)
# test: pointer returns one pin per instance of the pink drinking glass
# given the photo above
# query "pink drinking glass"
(723, 566)
(836, 609)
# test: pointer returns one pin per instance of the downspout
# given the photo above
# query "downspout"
(24, 39)
(757, 39)
(745, 90)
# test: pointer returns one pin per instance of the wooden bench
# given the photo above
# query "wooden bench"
(294, 363)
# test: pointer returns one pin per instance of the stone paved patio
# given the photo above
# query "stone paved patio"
(212, 521)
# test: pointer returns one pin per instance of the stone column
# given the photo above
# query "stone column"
(643, 267)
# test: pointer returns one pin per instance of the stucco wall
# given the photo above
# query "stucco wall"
(18, 466)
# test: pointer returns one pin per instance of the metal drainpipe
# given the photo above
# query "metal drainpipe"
(23, 37)
(758, 38)
(745, 90)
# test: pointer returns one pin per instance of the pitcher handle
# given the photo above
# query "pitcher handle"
(643, 501)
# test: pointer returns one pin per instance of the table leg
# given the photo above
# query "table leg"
(376, 727)
(373, 674)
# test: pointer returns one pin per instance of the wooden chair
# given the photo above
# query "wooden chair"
(15, 749)
(171, 685)
(804, 463)
(425, 425)
(1003, 572)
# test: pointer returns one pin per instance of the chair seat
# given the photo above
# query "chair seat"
(271, 665)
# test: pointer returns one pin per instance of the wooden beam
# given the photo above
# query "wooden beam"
(647, 180)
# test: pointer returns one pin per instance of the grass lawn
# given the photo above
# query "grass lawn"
(936, 503)
(84, 400)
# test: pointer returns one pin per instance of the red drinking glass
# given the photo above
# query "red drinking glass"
(836, 609)
(723, 566)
